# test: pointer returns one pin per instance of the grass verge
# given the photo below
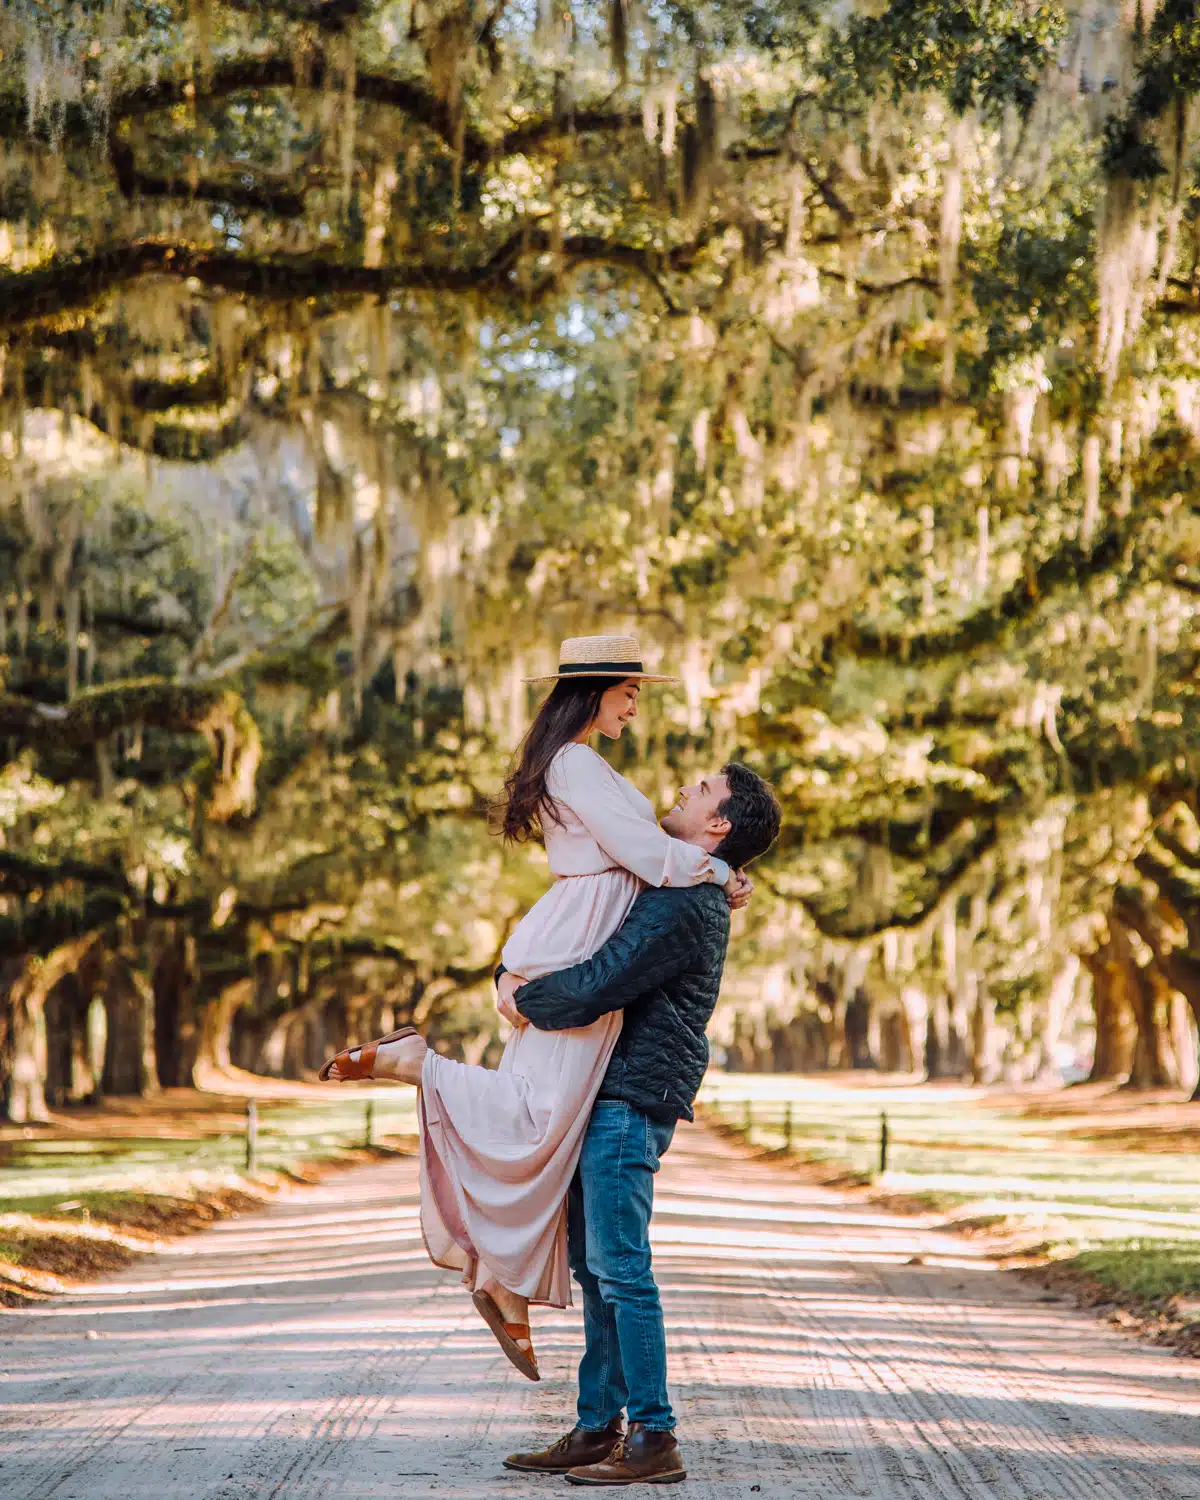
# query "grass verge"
(95, 1189)
(1094, 1192)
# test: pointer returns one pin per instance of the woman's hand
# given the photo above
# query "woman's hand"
(506, 992)
(739, 890)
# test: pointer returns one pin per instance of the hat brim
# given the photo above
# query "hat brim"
(616, 676)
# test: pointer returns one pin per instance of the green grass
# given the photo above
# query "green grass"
(1063, 1181)
(1145, 1268)
(73, 1207)
(37, 1176)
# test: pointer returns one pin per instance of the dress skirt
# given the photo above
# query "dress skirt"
(499, 1147)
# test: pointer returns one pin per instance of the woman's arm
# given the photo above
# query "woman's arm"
(581, 779)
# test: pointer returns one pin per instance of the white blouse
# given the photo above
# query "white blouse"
(607, 823)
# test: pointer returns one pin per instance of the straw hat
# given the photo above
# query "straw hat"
(616, 656)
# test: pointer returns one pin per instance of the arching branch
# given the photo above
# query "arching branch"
(214, 711)
(1068, 566)
(73, 282)
(840, 924)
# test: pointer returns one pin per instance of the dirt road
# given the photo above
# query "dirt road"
(311, 1351)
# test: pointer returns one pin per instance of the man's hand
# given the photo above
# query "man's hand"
(506, 992)
(737, 893)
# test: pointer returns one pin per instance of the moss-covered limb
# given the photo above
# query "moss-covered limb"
(254, 196)
(419, 102)
(1068, 566)
(22, 875)
(78, 281)
(915, 832)
(43, 925)
(120, 620)
(213, 710)
(1189, 859)
(193, 421)
(326, 15)
(244, 74)
(1181, 895)
(95, 714)
(126, 624)
(841, 924)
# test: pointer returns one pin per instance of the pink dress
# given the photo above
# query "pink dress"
(499, 1148)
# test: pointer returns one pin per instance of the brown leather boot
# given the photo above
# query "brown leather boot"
(643, 1458)
(578, 1448)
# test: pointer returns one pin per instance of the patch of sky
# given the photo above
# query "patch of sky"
(574, 325)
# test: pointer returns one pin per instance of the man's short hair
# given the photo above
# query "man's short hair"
(753, 811)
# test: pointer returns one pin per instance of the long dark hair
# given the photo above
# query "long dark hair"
(519, 811)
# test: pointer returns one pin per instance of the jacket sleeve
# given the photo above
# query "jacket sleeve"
(655, 943)
(580, 778)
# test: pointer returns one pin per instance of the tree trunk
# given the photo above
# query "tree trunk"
(1153, 1065)
(1185, 1040)
(982, 1033)
(1183, 972)
(24, 985)
(26, 1048)
(1053, 1021)
(858, 1030)
(945, 1052)
(130, 1064)
(915, 1016)
(177, 1032)
(216, 1028)
(1116, 1031)
(895, 1052)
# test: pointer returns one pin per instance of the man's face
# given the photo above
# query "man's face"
(695, 814)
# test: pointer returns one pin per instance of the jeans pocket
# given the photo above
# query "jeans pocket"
(658, 1138)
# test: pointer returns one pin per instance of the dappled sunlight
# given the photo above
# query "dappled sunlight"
(815, 1343)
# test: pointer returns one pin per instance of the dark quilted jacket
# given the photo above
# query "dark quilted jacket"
(663, 968)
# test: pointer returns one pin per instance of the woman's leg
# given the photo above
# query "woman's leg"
(513, 1307)
(403, 1060)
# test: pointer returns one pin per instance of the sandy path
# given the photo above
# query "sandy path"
(310, 1351)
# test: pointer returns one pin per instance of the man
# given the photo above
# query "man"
(663, 967)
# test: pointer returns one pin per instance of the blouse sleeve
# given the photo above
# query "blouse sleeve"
(581, 779)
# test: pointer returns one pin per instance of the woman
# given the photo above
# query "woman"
(499, 1148)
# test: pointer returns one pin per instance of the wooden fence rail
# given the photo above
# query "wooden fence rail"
(772, 1122)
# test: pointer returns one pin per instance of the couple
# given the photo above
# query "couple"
(546, 1164)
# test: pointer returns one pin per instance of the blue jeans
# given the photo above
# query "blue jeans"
(624, 1366)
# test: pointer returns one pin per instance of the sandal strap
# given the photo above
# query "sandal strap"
(521, 1336)
(363, 1066)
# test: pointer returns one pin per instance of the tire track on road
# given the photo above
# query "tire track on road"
(310, 1351)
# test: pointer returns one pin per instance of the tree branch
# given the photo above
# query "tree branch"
(20, 875)
(325, 15)
(214, 711)
(1071, 564)
(77, 281)
(838, 924)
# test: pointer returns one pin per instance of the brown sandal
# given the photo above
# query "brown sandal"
(507, 1335)
(363, 1065)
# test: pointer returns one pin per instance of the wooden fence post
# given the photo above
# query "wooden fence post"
(251, 1135)
(883, 1142)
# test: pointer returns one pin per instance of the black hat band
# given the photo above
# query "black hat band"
(591, 668)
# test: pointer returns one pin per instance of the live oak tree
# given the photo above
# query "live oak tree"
(354, 352)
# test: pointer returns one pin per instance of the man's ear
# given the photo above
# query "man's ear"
(718, 826)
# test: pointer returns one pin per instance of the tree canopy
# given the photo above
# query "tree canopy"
(354, 352)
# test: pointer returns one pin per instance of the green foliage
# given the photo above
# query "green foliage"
(985, 54)
(836, 360)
